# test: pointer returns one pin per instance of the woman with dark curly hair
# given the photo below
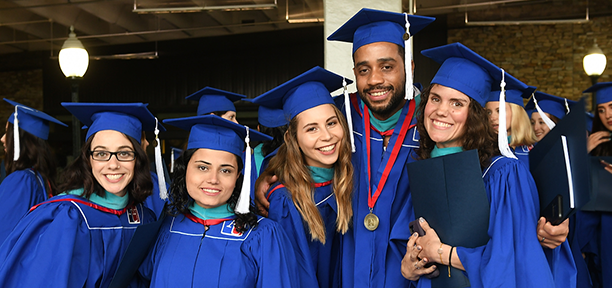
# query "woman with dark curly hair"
(77, 238)
(451, 118)
(213, 237)
(312, 199)
(29, 163)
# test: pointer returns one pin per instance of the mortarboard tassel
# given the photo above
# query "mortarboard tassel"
(502, 135)
(347, 111)
(161, 179)
(171, 160)
(409, 93)
(242, 207)
(566, 106)
(16, 145)
(545, 118)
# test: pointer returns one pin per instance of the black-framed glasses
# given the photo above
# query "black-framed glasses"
(102, 155)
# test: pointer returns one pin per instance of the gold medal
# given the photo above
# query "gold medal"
(371, 221)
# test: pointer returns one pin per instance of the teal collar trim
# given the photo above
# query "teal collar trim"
(321, 175)
(437, 152)
(219, 212)
(385, 125)
(109, 200)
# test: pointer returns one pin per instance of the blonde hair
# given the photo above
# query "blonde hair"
(520, 126)
(290, 167)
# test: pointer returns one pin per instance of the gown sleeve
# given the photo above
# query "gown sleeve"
(513, 257)
(49, 247)
(270, 253)
(283, 211)
(19, 191)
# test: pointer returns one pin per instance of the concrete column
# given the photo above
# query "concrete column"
(338, 55)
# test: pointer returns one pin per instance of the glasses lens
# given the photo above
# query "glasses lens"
(100, 155)
(125, 155)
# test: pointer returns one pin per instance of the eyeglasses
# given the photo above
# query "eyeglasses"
(123, 156)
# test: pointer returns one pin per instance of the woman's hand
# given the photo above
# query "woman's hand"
(430, 242)
(413, 267)
(597, 138)
(551, 236)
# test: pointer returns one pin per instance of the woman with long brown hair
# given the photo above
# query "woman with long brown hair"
(312, 199)
(29, 163)
(452, 118)
(78, 237)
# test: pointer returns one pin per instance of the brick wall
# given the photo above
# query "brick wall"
(547, 56)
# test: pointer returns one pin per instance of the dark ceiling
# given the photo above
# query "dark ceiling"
(43, 25)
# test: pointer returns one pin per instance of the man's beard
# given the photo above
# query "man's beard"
(386, 111)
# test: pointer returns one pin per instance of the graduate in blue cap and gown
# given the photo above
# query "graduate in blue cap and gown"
(381, 115)
(312, 199)
(513, 257)
(216, 101)
(213, 238)
(520, 134)
(274, 123)
(76, 239)
(594, 229)
(547, 113)
(29, 162)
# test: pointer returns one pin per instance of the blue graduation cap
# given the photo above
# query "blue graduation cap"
(310, 89)
(31, 120)
(369, 26)
(128, 118)
(550, 104)
(512, 96)
(271, 118)
(464, 70)
(212, 99)
(467, 72)
(603, 90)
(215, 133)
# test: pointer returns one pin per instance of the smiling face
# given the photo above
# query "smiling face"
(604, 111)
(380, 76)
(211, 177)
(492, 109)
(539, 126)
(112, 175)
(319, 135)
(445, 115)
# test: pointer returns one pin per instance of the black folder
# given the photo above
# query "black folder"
(143, 239)
(601, 186)
(560, 167)
(449, 193)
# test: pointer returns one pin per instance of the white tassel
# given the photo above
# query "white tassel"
(567, 110)
(16, 145)
(242, 207)
(171, 160)
(161, 179)
(347, 111)
(545, 118)
(502, 135)
(408, 61)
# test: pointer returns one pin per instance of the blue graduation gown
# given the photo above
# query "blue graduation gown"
(596, 227)
(67, 244)
(373, 258)
(154, 202)
(266, 160)
(319, 264)
(186, 254)
(20, 190)
(513, 257)
(522, 153)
